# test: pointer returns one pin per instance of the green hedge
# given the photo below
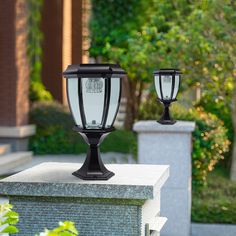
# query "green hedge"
(217, 202)
(210, 141)
(55, 135)
(221, 108)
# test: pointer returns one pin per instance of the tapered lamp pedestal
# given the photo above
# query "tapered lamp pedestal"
(93, 167)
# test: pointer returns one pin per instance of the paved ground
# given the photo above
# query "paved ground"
(106, 157)
(197, 229)
(213, 230)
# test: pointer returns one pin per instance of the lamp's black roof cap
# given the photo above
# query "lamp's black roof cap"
(167, 71)
(91, 70)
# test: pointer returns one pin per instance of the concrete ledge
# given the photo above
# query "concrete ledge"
(152, 126)
(56, 179)
(12, 160)
(4, 149)
(17, 131)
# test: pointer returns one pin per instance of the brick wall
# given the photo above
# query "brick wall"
(14, 70)
(51, 26)
(62, 44)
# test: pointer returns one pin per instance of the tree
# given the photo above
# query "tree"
(198, 37)
(115, 28)
(204, 47)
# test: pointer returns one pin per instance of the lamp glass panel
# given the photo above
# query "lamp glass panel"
(176, 86)
(93, 93)
(73, 99)
(166, 86)
(157, 85)
(114, 101)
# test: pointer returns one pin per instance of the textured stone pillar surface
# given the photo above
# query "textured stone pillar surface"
(128, 204)
(170, 145)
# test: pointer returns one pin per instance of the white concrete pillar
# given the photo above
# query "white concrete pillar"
(128, 204)
(170, 145)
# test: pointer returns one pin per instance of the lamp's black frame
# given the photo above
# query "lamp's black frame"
(93, 167)
(166, 118)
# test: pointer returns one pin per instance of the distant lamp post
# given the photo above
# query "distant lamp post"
(93, 92)
(167, 86)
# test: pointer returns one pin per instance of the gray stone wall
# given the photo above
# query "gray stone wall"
(92, 217)
(121, 206)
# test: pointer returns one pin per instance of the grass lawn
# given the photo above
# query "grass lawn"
(217, 202)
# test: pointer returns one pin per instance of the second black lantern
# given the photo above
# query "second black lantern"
(94, 92)
(167, 83)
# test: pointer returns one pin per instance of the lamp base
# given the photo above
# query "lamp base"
(93, 167)
(166, 118)
(166, 122)
(93, 175)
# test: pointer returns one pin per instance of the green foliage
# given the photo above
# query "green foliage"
(35, 37)
(221, 109)
(120, 37)
(112, 21)
(115, 37)
(217, 202)
(210, 141)
(202, 43)
(8, 219)
(55, 135)
(66, 228)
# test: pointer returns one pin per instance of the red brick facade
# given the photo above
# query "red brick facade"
(14, 69)
(57, 20)
(52, 16)
(54, 27)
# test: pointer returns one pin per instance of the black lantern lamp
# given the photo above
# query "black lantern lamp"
(93, 92)
(167, 86)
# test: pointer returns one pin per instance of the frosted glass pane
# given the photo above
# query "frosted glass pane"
(73, 99)
(176, 86)
(166, 83)
(93, 91)
(157, 86)
(114, 98)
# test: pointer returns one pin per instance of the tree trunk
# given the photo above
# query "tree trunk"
(134, 95)
(130, 104)
(233, 114)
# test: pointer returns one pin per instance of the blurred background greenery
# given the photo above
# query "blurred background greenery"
(197, 37)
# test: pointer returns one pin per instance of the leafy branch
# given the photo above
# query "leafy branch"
(8, 219)
(66, 228)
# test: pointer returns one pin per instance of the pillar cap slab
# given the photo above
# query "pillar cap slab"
(152, 126)
(17, 131)
(56, 179)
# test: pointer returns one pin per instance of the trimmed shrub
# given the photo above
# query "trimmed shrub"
(217, 202)
(221, 108)
(55, 135)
